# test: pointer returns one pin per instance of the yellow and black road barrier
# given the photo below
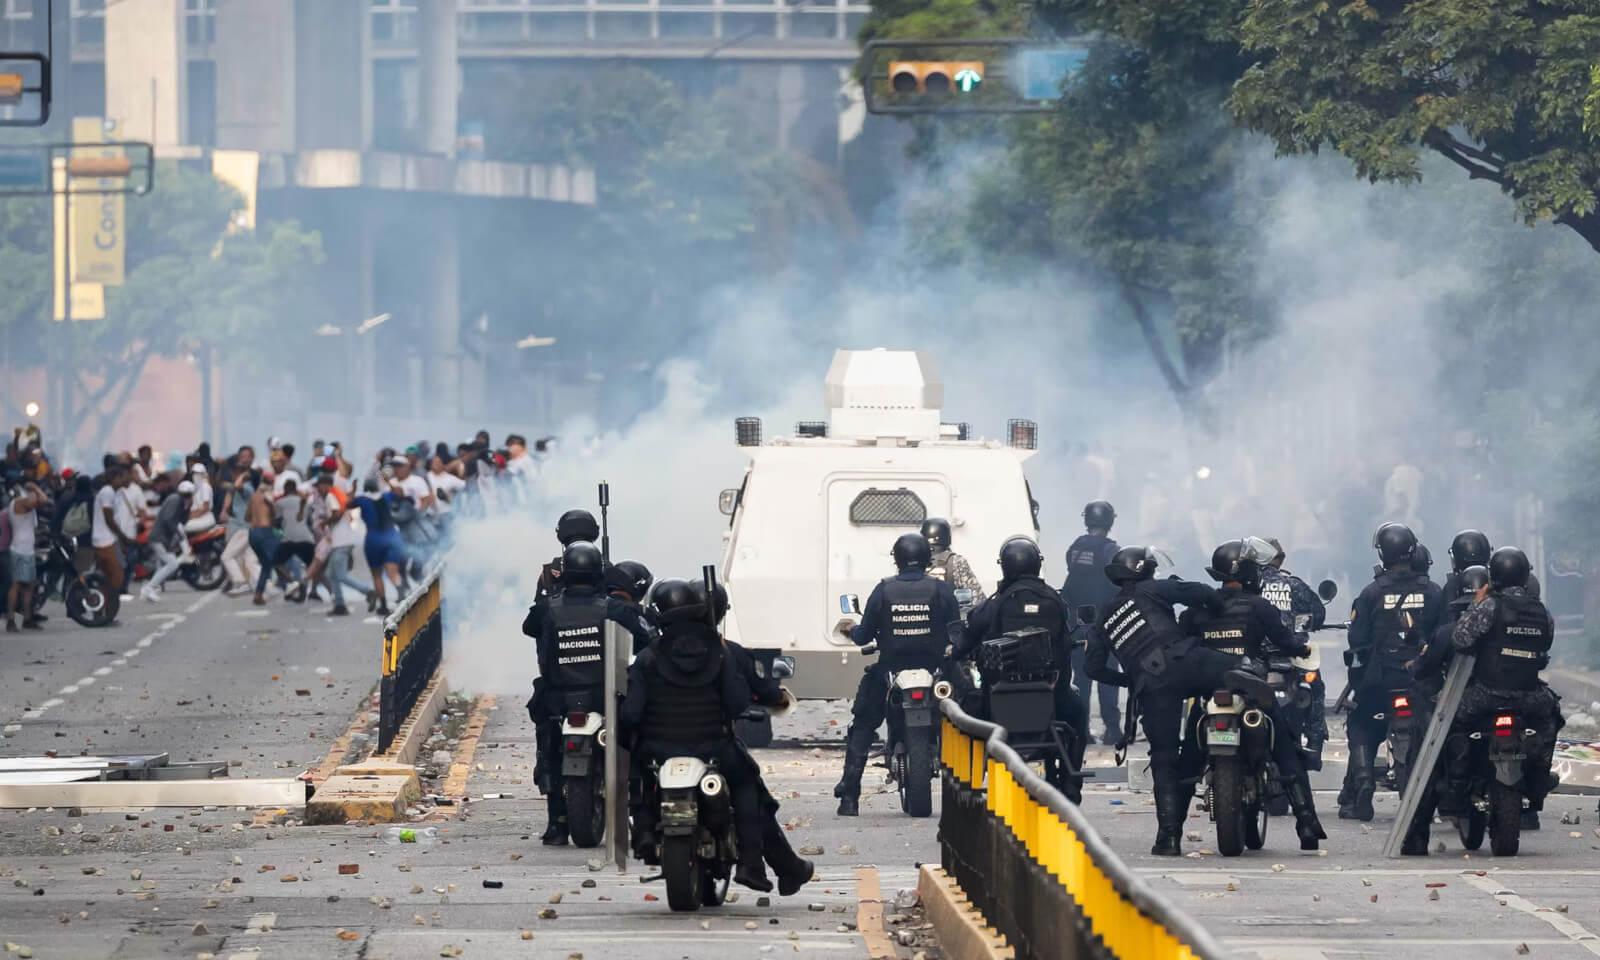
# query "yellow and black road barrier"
(413, 644)
(1029, 860)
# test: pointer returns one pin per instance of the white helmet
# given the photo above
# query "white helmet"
(186, 488)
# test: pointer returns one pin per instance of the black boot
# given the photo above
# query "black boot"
(1172, 808)
(793, 870)
(1455, 785)
(1416, 841)
(848, 789)
(555, 835)
(1306, 824)
(1358, 805)
(1530, 820)
(752, 872)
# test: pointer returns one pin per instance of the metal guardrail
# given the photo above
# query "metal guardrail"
(413, 645)
(1030, 861)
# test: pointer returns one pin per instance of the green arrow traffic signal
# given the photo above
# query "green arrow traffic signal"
(967, 79)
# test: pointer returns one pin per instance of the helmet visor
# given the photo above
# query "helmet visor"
(1257, 549)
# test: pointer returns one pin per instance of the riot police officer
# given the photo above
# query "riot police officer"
(908, 616)
(947, 565)
(1427, 676)
(1469, 548)
(629, 581)
(1304, 612)
(570, 630)
(1024, 600)
(1250, 626)
(793, 871)
(574, 526)
(683, 695)
(1511, 633)
(1087, 586)
(1390, 620)
(1162, 668)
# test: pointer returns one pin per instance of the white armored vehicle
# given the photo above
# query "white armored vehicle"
(814, 519)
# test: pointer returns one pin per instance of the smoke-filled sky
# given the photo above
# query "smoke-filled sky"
(1329, 426)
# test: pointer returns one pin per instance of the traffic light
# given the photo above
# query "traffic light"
(935, 76)
(10, 89)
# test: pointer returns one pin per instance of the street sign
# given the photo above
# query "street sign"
(25, 171)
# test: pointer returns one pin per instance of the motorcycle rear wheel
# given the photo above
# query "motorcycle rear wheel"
(680, 866)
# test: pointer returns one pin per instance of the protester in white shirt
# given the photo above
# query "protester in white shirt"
(201, 515)
(115, 526)
(23, 517)
(445, 486)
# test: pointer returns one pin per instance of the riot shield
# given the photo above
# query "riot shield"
(619, 649)
(1422, 768)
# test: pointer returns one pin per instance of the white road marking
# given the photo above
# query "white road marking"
(251, 613)
(194, 608)
(169, 621)
(1573, 930)
(261, 923)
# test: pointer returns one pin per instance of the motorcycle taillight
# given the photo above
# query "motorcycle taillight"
(1504, 726)
(918, 694)
(577, 719)
(1222, 698)
(1402, 706)
(1222, 723)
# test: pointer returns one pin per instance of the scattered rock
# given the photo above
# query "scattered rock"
(1373, 898)
(906, 938)
(1571, 818)
(346, 869)
(815, 907)
(1561, 908)
(548, 913)
(555, 898)
(1522, 949)
(493, 884)
(1277, 868)
(450, 951)
(418, 920)
(416, 888)
(288, 878)
(199, 930)
(811, 850)
(588, 883)
(847, 850)
(135, 874)
(750, 925)
(595, 866)
(651, 898)
(527, 934)
(1433, 894)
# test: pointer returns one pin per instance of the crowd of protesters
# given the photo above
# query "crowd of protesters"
(288, 527)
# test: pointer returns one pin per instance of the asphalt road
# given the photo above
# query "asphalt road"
(217, 884)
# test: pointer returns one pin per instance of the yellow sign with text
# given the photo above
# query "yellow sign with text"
(98, 219)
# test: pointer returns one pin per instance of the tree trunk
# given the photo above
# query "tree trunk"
(127, 380)
(1196, 411)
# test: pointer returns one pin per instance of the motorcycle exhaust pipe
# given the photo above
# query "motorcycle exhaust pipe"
(600, 737)
(1252, 718)
(942, 690)
(711, 784)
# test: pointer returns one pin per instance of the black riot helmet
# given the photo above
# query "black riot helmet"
(699, 587)
(1099, 515)
(1509, 567)
(912, 551)
(1395, 543)
(675, 600)
(631, 577)
(1473, 579)
(576, 525)
(1020, 557)
(1131, 564)
(1422, 560)
(1240, 561)
(936, 530)
(1470, 548)
(582, 564)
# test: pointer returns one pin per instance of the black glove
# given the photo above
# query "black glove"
(1304, 651)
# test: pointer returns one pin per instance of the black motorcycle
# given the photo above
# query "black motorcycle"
(1500, 746)
(68, 571)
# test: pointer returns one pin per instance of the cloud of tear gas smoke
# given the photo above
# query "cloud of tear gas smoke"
(1327, 427)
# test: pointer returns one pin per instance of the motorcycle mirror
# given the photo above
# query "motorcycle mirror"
(849, 603)
(1087, 613)
(727, 500)
(1327, 590)
(782, 668)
